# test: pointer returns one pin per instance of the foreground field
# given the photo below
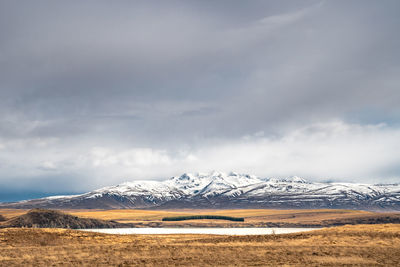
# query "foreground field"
(361, 245)
(253, 217)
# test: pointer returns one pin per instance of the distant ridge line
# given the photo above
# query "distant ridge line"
(220, 191)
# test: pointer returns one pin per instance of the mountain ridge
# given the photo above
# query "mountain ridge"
(233, 190)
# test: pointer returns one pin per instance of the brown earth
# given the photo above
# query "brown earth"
(361, 245)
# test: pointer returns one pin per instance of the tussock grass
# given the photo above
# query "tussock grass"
(361, 245)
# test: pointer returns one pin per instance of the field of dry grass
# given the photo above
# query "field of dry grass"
(361, 245)
(249, 214)
(253, 217)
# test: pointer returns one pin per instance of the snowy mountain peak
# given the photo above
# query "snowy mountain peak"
(213, 175)
(290, 179)
(184, 177)
(228, 190)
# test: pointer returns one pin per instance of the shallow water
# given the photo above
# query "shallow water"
(205, 231)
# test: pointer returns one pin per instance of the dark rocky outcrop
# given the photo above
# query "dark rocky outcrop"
(42, 218)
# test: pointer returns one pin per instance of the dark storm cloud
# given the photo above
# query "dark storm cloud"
(173, 76)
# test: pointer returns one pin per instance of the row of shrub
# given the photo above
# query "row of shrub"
(201, 217)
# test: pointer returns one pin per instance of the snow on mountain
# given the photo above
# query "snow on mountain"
(291, 179)
(210, 184)
(233, 190)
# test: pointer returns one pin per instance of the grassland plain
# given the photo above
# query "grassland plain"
(355, 245)
(253, 217)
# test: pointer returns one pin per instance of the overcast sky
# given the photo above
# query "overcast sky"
(95, 93)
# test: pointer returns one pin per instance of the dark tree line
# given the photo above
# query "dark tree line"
(200, 217)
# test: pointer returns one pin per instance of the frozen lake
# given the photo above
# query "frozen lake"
(204, 231)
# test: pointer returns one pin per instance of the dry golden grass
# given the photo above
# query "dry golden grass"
(153, 215)
(253, 217)
(11, 213)
(250, 215)
(361, 245)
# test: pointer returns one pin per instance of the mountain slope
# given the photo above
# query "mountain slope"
(220, 190)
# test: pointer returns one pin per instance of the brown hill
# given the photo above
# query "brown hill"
(41, 218)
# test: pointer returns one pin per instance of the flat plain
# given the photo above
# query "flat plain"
(253, 217)
(353, 245)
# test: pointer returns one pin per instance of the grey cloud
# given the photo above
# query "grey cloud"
(184, 74)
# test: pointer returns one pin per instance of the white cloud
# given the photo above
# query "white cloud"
(136, 157)
(333, 150)
(48, 165)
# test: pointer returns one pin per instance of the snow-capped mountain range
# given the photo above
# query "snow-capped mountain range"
(233, 190)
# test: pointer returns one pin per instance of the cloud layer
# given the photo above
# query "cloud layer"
(100, 93)
(333, 151)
